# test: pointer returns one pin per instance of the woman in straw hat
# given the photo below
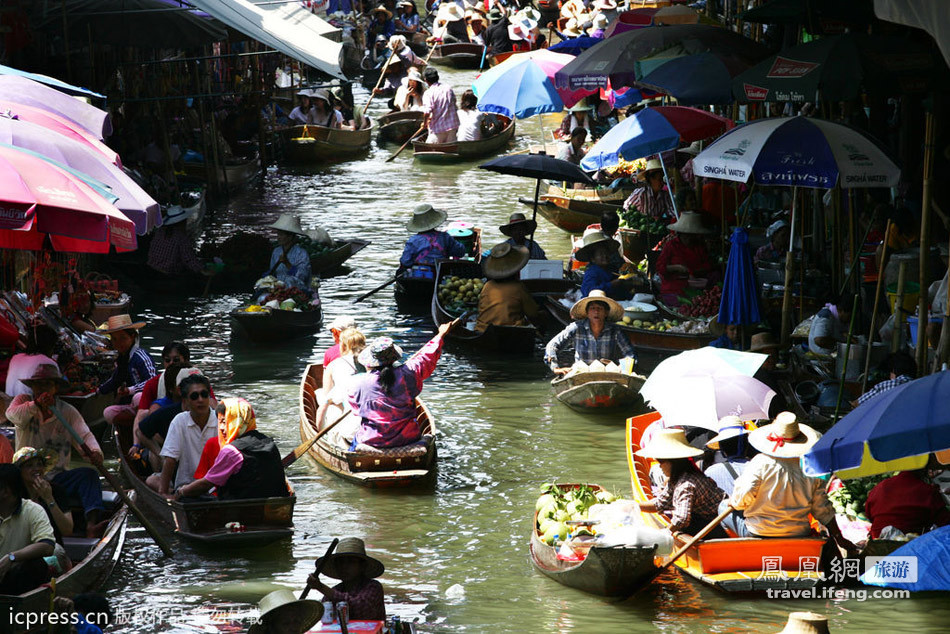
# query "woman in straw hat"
(601, 274)
(409, 94)
(133, 369)
(653, 199)
(504, 300)
(689, 498)
(34, 464)
(728, 335)
(732, 446)
(408, 18)
(518, 229)
(477, 23)
(449, 24)
(594, 337)
(282, 613)
(773, 493)
(289, 262)
(323, 114)
(428, 246)
(357, 573)
(684, 257)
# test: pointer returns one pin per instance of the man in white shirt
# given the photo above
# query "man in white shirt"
(187, 435)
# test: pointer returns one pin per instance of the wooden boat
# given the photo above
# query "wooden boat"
(343, 250)
(458, 54)
(416, 292)
(610, 572)
(574, 209)
(276, 325)
(318, 144)
(734, 564)
(398, 127)
(563, 217)
(599, 392)
(464, 150)
(498, 58)
(265, 520)
(233, 175)
(381, 468)
(93, 561)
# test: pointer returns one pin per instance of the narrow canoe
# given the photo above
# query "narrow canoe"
(611, 572)
(733, 564)
(398, 127)
(276, 325)
(343, 251)
(464, 150)
(265, 520)
(389, 468)
(318, 144)
(416, 292)
(599, 392)
(93, 562)
(563, 217)
(234, 174)
(603, 195)
(459, 55)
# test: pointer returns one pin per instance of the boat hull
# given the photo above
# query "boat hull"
(564, 218)
(599, 392)
(463, 55)
(317, 144)
(233, 175)
(276, 325)
(398, 127)
(345, 249)
(464, 150)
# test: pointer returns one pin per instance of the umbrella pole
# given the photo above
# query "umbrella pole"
(847, 355)
(534, 216)
(544, 146)
(669, 186)
(789, 264)
(922, 315)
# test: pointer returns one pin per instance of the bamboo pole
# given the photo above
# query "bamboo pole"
(944, 346)
(923, 303)
(899, 307)
(789, 269)
(877, 303)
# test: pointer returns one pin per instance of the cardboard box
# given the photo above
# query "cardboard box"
(543, 270)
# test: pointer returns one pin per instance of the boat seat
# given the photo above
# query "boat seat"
(77, 548)
(414, 450)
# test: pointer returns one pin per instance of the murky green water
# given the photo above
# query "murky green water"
(457, 558)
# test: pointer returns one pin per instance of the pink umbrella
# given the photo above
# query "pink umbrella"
(551, 62)
(32, 93)
(60, 125)
(39, 199)
(710, 397)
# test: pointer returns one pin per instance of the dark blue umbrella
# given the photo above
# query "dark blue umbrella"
(575, 46)
(693, 79)
(932, 553)
(740, 292)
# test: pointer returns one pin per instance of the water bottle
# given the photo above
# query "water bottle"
(395, 627)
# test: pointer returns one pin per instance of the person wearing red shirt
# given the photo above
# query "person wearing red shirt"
(908, 501)
(683, 257)
(337, 326)
(719, 199)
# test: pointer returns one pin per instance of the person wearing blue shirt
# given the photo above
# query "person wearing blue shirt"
(381, 24)
(517, 230)
(593, 333)
(427, 247)
(290, 262)
(729, 339)
(598, 275)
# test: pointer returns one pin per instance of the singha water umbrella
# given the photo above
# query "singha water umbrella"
(798, 152)
(893, 431)
(740, 290)
(32, 93)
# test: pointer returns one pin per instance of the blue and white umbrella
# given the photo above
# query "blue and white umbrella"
(798, 152)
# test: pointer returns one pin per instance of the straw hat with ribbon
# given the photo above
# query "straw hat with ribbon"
(785, 437)
(275, 607)
(450, 12)
(591, 240)
(289, 223)
(669, 444)
(689, 222)
(806, 623)
(518, 219)
(425, 218)
(763, 342)
(572, 29)
(653, 165)
(380, 351)
(46, 372)
(115, 323)
(614, 309)
(25, 454)
(352, 547)
(729, 427)
(504, 260)
(382, 9)
(692, 149)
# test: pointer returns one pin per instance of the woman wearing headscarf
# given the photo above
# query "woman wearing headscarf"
(248, 464)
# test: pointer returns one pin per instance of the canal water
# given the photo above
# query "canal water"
(456, 558)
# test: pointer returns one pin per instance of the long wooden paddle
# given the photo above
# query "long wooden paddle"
(425, 62)
(305, 446)
(117, 486)
(394, 278)
(379, 82)
(323, 562)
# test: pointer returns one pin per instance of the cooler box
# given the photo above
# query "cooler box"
(364, 627)
(543, 270)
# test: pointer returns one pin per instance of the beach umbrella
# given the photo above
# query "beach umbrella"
(740, 289)
(52, 82)
(706, 361)
(574, 46)
(798, 151)
(931, 554)
(133, 201)
(40, 199)
(32, 93)
(701, 78)
(58, 124)
(702, 400)
(894, 431)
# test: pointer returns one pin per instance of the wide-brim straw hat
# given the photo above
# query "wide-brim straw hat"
(669, 444)
(518, 219)
(46, 372)
(289, 223)
(406, 3)
(415, 75)
(473, 15)
(604, 5)
(572, 29)
(426, 217)
(321, 93)
(580, 106)
(382, 9)
(176, 213)
(504, 260)
(115, 323)
(785, 437)
(653, 165)
(692, 149)
(591, 240)
(380, 351)
(285, 601)
(46, 456)
(689, 222)
(352, 547)
(529, 14)
(806, 623)
(599, 22)
(450, 12)
(729, 427)
(343, 322)
(614, 309)
(763, 342)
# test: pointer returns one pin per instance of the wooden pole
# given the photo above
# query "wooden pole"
(847, 357)
(899, 307)
(944, 346)
(877, 303)
(923, 303)
(789, 269)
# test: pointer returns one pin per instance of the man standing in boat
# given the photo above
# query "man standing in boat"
(438, 104)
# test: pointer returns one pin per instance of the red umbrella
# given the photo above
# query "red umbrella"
(39, 199)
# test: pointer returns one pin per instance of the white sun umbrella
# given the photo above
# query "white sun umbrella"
(707, 361)
(700, 401)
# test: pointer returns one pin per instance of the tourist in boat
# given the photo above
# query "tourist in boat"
(301, 115)
(248, 464)
(398, 68)
(381, 23)
(504, 300)
(598, 27)
(470, 118)
(688, 497)
(323, 114)
(653, 199)
(572, 150)
(149, 434)
(449, 25)
(427, 246)
(732, 453)
(133, 369)
(775, 249)
(593, 333)
(172, 251)
(408, 18)
(38, 426)
(441, 113)
(337, 326)
(343, 107)
(728, 338)
(829, 327)
(283, 613)
(518, 229)
(909, 501)
(186, 437)
(289, 262)
(477, 25)
(598, 251)
(357, 573)
(498, 34)
(575, 10)
(27, 536)
(34, 464)
(384, 397)
(40, 347)
(337, 377)
(900, 368)
(576, 117)
(772, 496)
(173, 352)
(684, 257)
(409, 94)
